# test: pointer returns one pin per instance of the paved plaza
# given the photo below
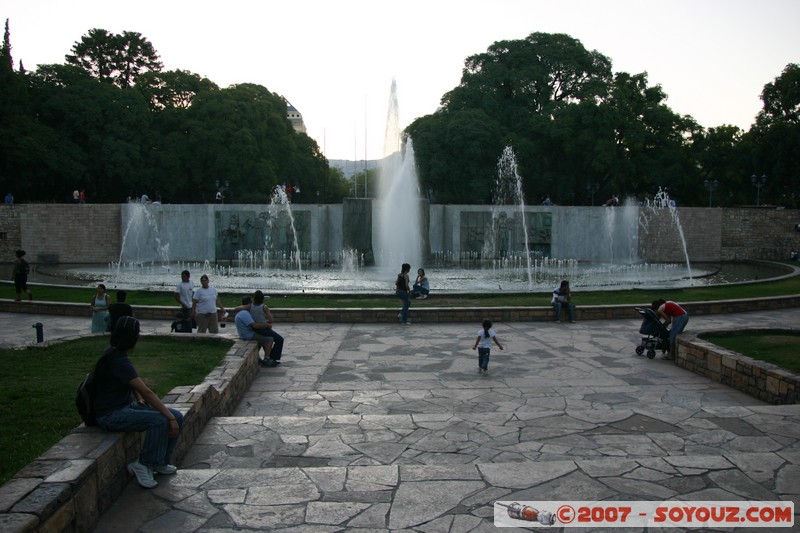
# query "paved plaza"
(386, 427)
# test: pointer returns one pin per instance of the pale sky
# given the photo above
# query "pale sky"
(335, 60)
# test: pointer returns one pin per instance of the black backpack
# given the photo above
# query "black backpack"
(87, 390)
(84, 399)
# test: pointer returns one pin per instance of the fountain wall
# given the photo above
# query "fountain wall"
(68, 233)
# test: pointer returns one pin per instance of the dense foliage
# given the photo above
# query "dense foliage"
(582, 133)
(110, 121)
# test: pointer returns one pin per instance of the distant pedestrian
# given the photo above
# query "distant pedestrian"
(10, 200)
(82, 196)
(118, 309)
(402, 290)
(20, 275)
(484, 344)
(99, 305)
(183, 294)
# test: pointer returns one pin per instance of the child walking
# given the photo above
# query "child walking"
(484, 344)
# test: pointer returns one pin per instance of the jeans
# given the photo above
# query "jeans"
(557, 311)
(420, 289)
(678, 323)
(158, 445)
(403, 295)
(483, 358)
(277, 347)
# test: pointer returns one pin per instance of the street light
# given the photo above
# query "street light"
(592, 188)
(758, 183)
(710, 186)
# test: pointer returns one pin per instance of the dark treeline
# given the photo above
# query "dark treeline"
(578, 128)
(110, 121)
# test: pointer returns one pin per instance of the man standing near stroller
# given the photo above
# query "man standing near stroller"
(674, 316)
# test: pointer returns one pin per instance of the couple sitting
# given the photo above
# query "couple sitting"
(254, 322)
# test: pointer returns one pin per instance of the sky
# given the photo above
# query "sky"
(335, 60)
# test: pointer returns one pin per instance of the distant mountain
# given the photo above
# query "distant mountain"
(350, 168)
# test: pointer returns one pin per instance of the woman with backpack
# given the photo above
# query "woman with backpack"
(123, 402)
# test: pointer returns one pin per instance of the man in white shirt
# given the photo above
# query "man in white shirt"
(183, 294)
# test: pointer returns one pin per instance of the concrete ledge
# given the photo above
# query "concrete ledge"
(759, 379)
(69, 486)
(426, 315)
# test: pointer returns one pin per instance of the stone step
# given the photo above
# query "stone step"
(503, 436)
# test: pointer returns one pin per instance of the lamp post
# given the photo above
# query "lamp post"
(592, 188)
(758, 182)
(711, 186)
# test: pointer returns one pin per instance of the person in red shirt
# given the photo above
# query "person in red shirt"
(675, 317)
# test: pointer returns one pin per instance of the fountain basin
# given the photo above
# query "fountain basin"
(494, 277)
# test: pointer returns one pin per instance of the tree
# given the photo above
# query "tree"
(175, 89)
(113, 58)
(776, 138)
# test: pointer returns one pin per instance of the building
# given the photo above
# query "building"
(295, 117)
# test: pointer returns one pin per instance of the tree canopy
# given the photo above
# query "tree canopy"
(112, 122)
(578, 128)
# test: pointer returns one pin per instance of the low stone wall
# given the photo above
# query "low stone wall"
(425, 315)
(69, 486)
(759, 379)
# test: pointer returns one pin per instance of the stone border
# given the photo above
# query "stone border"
(759, 379)
(426, 315)
(69, 486)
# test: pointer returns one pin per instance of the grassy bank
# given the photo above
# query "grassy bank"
(37, 386)
(779, 348)
(310, 301)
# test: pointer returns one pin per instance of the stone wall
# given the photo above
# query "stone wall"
(759, 379)
(70, 233)
(68, 487)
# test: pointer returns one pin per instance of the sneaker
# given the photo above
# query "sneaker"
(144, 474)
(558, 322)
(571, 321)
(165, 470)
(667, 357)
(407, 323)
(424, 297)
(485, 371)
(270, 363)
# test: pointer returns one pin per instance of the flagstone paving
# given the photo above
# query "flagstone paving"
(384, 427)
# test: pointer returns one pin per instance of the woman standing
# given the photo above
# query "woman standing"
(100, 303)
(402, 290)
(205, 303)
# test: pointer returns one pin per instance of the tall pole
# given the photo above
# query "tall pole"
(365, 147)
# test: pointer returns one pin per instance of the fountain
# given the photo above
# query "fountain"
(399, 235)
(507, 246)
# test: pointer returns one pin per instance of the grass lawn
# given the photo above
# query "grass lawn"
(778, 348)
(37, 386)
(310, 301)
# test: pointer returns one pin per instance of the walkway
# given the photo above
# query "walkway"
(385, 427)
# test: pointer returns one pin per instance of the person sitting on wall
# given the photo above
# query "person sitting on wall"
(250, 330)
(422, 286)
(562, 297)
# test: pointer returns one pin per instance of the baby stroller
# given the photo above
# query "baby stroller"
(655, 334)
